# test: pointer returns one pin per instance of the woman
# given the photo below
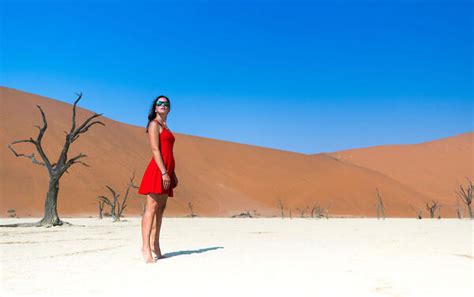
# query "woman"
(159, 178)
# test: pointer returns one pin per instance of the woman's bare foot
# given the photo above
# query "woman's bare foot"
(147, 256)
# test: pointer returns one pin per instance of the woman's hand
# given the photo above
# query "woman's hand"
(166, 181)
(175, 179)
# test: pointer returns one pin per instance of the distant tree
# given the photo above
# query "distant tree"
(131, 185)
(246, 214)
(465, 194)
(11, 213)
(113, 203)
(281, 208)
(379, 205)
(319, 212)
(190, 206)
(243, 215)
(302, 211)
(58, 168)
(420, 212)
(459, 211)
(431, 207)
(116, 206)
(101, 207)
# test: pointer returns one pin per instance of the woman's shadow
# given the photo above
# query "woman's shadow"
(188, 252)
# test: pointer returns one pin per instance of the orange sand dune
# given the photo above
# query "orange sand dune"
(219, 178)
(435, 168)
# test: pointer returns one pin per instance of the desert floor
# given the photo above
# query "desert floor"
(241, 256)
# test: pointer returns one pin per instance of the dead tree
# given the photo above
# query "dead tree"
(281, 208)
(302, 210)
(465, 194)
(101, 208)
(291, 217)
(111, 202)
(317, 211)
(379, 205)
(243, 215)
(129, 186)
(58, 168)
(418, 212)
(11, 213)
(431, 207)
(459, 211)
(190, 206)
(117, 207)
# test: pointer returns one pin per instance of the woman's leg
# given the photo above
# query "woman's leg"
(162, 200)
(147, 221)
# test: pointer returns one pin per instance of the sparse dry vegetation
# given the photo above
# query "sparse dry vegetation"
(465, 194)
(116, 206)
(380, 209)
(192, 214)
(431, 207)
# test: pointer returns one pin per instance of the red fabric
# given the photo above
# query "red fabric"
(152, 178)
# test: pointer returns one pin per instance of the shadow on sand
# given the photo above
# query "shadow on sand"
(173, 254)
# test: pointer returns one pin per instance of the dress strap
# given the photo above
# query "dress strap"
(160, 124)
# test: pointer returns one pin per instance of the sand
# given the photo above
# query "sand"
(242, 256)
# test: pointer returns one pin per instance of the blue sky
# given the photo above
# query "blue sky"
(308, 77)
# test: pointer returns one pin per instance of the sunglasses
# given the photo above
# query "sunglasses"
(159, 103)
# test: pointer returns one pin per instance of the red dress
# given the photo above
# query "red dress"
(152, 178)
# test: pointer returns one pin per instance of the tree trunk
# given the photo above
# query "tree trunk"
(470, 211)
(51, 217)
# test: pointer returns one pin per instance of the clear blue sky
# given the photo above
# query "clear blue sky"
(309, 77)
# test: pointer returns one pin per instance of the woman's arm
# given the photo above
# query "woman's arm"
(154, 137)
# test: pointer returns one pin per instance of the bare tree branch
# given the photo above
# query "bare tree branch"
(124, 202)
(38, 145)
(30, 156)
(105, 200)
(73, 125)
(84, 127)
(75, 160)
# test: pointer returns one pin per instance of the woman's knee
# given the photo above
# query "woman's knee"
(152, 204)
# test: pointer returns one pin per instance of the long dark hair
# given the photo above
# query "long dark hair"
(152, 113)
